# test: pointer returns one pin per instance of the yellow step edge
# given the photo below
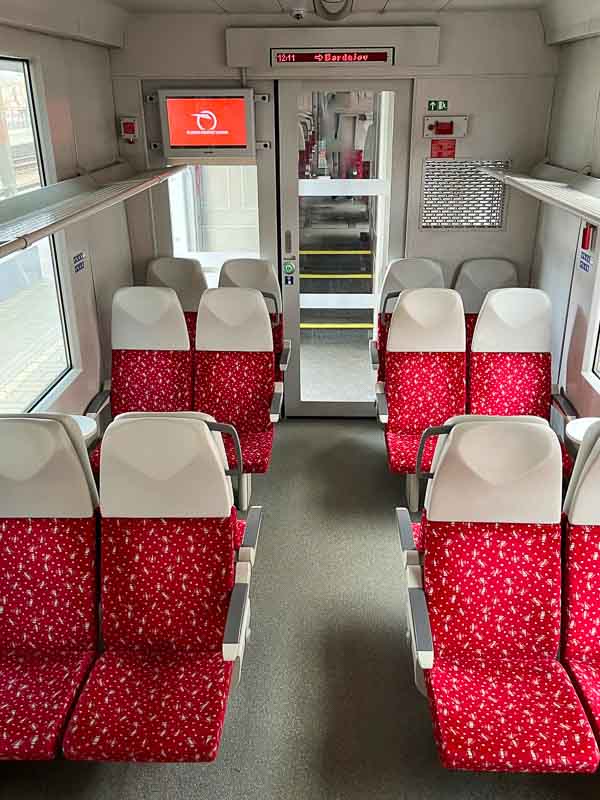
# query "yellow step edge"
(336, 325)
(336, 252)
(336, 276)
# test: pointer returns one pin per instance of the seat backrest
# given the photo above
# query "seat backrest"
(234, 369)
(184, 275)
(151, 357)
(510, 363)
(252, 273)
(409, 273)
(478, 276)
(492, 562)
(425, 360)
(47, 539)
(168, 524)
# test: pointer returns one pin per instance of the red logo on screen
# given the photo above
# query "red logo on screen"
(210, 122)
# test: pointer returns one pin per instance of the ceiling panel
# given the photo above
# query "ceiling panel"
(489, 5)
(174, 6)
(415, 5)
(251, 6)
(276, 6)
(369, 5)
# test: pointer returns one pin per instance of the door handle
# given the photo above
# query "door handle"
(288, 242)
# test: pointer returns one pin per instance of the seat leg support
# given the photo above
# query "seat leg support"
(412, 492)
(244, 491)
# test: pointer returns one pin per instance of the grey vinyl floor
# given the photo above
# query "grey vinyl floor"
(326, 709)
(335, 367)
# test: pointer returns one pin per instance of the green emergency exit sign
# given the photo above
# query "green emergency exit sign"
(438, 105)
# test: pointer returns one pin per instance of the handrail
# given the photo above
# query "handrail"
(23, 231)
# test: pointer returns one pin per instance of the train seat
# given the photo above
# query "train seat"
(491, 605)
(258, 273)
(510, 364)
(175, 618)
(186, 277)
(48, 630)
(234, 374)
(581, 650)
(475, 278)
(151, 356)
(425, 372)
(401, 274)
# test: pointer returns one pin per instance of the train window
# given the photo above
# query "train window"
(457, 195)
(214, 214)
(34, 353)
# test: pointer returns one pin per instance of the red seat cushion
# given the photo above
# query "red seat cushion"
(509, 716)
(470, 323)
(191, 317)
(419, 535)
(240, 530)
(277, 328)
(37, 691)
(510, 384)
(153, 707)
(94, 456)
(586, 678)
(403, 449)
(383, 324)
(151, 380)
(256, 450)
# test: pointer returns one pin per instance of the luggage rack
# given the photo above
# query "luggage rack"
(570, 191)
(87, 195)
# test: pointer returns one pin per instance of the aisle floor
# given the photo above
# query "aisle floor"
(326, 709)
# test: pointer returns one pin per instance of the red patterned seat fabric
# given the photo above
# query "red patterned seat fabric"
(94, 456)
(240, 530)
(277, 328)
(165, 592)
(470, 322)
(499, 699)
(47, 629)
(237, 388)
(151, 380)
(256, 451)
(383, 324)
(419, 534)
(582, 614)
(191, 318)
(511, 384)
(422, 390)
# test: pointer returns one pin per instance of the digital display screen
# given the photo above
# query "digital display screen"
(207, 122)
(332, 57)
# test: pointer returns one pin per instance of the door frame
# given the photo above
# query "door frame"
(287, 161)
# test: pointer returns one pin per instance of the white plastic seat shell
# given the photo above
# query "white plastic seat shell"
(232, 319)
(162, 467)
(148, 318)
(410, 273)
(184, 275)
(514, 321)
(42, 474)
(251, 273)
(478, 276)
(582, 501)
(427, 320)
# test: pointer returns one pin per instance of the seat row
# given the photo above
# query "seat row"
(229, 375)
(493, 600)
(509, 367)
(173, 593)
(474, 279)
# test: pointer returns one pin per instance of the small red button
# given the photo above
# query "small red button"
(444, 128)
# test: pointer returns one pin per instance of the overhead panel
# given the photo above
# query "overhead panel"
(374, 51)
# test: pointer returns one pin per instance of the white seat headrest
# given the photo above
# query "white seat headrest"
(235, 320)
(251, 273)
(411, 273)
(514, 321)
(458, 420)
(501, 471)
(184, 275)
(148, 318)
(427, 321)
(183, 415)
(584, 508)
(478, 276)
(41, 474)
(583, 464)
(162, 467)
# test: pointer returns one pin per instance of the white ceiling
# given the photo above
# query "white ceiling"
(277, 6)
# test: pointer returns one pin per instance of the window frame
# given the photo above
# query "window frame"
(46, 168)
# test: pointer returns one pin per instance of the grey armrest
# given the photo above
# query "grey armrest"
(410, 554)
(284, 360)
(236, 626)
(249, 544)
(420, 629)
(382, 407)
(374, 354)
(277, 402)
(98, 403)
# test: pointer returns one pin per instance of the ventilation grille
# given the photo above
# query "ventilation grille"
(457, 196)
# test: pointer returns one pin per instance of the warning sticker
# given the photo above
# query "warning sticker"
(443, 148)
